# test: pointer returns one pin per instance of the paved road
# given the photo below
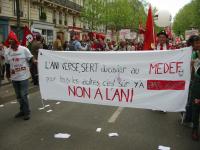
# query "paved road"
(138, 129)
(7, 91)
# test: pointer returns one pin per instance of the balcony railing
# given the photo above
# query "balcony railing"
(43, 16)
(21, 13)
(68, 3)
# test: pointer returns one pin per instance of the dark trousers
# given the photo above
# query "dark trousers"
(34, 73)
(3, 68)
(188, 113)
(195, 107)
(0, 76)
(195, 116)
(21, 91)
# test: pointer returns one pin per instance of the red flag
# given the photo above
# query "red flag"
(28, 37)
(149, 37)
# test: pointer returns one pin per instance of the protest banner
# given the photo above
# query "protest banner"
(189, 33)
(124, 33)
(157, 80)
(109, 34)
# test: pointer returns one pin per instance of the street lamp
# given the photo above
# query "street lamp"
(18, 17)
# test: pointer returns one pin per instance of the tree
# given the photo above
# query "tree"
(92, 13)
(115, 15)
(187, 18)
(120, 14)
(197, 12)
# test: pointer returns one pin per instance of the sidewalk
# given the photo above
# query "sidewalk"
(4, 82)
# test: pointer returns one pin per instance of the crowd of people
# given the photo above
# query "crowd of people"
(15, 61)
(100, 44)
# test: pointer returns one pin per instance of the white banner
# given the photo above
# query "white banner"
(124, 33)
(157, 80)
(189, 33)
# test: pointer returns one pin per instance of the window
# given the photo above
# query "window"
(65, 19)
(41, 10)
(42, 14)
(0, 6)
(54, 17)
(74, 21)
(1, 33)
(15, 8)
(60, 17)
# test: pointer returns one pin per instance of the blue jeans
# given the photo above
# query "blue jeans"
(21, 91)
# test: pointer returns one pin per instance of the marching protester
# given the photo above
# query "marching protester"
(195, 87)
(109, 45)
(95, 45)
(66, 46)
(44, 45)
(123, 45)
(131, 46)
(2, 57)
(3, 52)
(17, 60)
(57, 45)
(187, 116)
(75, 44)
(35, 46)
(163, 43)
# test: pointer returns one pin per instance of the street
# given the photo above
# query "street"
(138, 129)
(122, 68)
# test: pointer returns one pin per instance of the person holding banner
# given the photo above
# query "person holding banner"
(187, 116)
(35, 46)
(17, 62)
(195, 90)
(163, 41)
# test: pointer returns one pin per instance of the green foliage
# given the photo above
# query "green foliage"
(92, 13)
(115, 15)
(187, 18)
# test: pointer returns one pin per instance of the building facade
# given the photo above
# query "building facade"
(8, 17)
(47, 17)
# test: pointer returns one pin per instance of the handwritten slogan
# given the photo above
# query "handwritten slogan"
(149, 80)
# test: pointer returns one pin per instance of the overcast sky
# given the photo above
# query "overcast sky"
(173, 6)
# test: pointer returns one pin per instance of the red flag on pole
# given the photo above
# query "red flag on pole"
(27, 38)
(149, 37)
